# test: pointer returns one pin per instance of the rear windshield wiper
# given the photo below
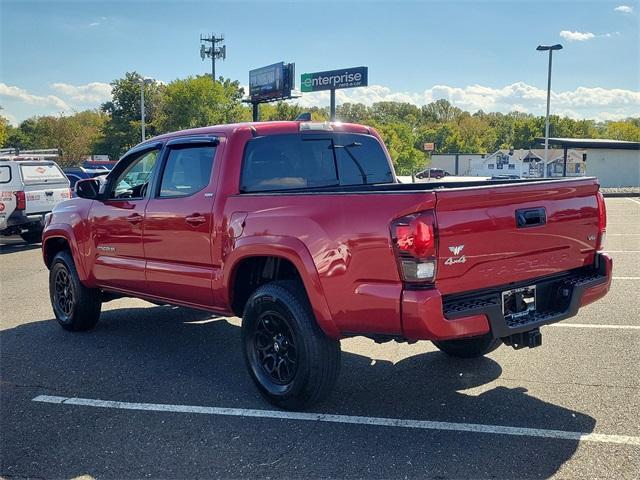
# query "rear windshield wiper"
(355, 160)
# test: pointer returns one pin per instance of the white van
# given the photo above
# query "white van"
(29, 189)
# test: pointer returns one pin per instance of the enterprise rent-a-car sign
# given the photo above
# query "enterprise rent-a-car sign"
(334, 79)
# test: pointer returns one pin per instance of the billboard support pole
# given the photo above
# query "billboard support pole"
(256, 111)
(332, 107)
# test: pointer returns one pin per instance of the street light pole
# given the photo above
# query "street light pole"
(142, 108)
(550, 48)
(143, 82)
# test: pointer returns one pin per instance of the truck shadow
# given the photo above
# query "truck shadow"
(181, 356)
(11, 245)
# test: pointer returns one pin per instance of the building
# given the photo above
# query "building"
(455, 163)
(616, 163)
(529, 163)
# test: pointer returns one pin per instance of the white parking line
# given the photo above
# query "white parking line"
(595, 325)
(348, 419)
(626, 278)
(622, 251)
(622, 234)
(633, 200)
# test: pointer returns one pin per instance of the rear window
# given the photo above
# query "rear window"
(5, 174)
(42, 173)
(294, 161)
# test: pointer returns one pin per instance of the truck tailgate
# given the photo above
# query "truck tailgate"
(496, 235)
(43, 197)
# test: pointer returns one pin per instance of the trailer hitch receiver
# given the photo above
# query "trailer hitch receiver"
(531, 339)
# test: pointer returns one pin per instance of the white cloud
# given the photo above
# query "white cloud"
(576, 36)
(583, 102)
(623, 9)
(94, 92)
(10, 117)
(20, 94)
(94, 24)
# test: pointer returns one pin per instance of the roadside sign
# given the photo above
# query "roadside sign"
(271, 82)
(429, 147)
(334, 79)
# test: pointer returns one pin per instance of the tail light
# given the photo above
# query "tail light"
(21, 200)
(415, 247)
(602, 221)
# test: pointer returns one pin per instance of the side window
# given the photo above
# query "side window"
(5, 174)
(133, 183)
(186, 171)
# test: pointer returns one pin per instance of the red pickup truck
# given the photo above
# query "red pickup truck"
(302, 229)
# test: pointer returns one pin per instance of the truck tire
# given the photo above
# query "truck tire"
(292, 362)
(32, 236)
(469, 347)
(76, 307)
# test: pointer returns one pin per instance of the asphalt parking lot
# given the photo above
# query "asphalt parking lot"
(568, 409)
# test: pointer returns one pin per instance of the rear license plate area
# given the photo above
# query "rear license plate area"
(519, 302)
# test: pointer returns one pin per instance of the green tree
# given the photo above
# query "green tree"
(623, 130)
(198, 102)
(77, 135)
(401, 144)
(353, 113)
(395, 112)
(5, 127)
(122, 130)
(440, 111)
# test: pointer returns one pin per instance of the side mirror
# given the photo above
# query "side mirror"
(89, 188)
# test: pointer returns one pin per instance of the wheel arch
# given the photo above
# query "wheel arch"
(55, 241)
(275, 258)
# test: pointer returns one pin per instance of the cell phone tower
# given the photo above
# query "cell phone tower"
(214, 51)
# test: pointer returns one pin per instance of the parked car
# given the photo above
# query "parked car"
(29, 189)
(301, 229)
(74, 174)
(432, 173)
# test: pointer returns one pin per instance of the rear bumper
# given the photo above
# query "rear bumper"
(19, 222)
(427, 315)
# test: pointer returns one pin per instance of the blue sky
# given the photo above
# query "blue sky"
(60, 56)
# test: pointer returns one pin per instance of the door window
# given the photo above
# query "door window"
(186, 171)
(134, 182)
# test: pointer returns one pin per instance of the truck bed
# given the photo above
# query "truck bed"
(479, 245)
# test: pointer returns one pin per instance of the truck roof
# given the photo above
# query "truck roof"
(262, 128)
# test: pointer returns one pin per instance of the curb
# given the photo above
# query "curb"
(621, 194)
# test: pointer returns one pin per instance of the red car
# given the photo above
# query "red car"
(302, 230)
(432, 173)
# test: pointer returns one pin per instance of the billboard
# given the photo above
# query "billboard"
(271, 82)
(334, 79)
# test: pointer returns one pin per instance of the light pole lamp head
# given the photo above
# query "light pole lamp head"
(544, 48)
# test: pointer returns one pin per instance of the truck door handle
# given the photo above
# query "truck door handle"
(531, 217)
(134, 218)
(195, 219)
